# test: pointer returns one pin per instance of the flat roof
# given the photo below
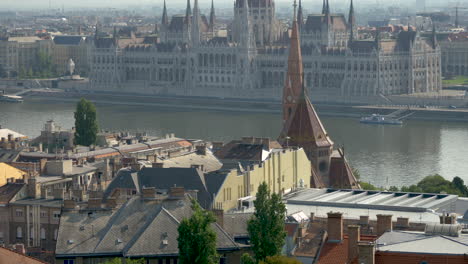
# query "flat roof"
(418, 207)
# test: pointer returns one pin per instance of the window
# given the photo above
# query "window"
(19, 232)
(19, 212)
(43, 214)
(55, 234)
(56, 214)
(69, 261)
(31, 233)
(43, 233)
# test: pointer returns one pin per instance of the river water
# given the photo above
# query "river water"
(384, 155)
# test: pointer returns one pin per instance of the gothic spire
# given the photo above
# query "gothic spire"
(196, 23)
(324, 7)
(293, 83)
(188, 12)
(165, 19)
(351, 17)
(300, 16)
(212, 16)
(434, 36)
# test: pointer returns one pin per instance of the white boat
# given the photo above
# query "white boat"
(380, 120)
(11, 98)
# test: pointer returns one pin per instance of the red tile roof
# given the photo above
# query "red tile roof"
(10, 256)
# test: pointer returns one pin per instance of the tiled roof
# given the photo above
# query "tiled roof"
(304, 127)
(334, 253)
(8, 191)
(139, 228)
(10, 256)
(236, 150)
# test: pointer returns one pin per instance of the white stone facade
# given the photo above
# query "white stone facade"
(251, 62)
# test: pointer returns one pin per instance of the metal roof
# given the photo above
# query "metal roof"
(355, 203)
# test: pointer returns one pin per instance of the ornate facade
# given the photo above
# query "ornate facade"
(190, 59)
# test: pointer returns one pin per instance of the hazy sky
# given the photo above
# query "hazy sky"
(11, 4)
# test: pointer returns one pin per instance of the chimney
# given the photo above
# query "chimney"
(335, 227)
(158, 165)
(177, 193)
(219, 214)
(19, 248)
(94, 203)
(10, 137)
(58, 194)
(148, 192)
(312, 217)
(34, 188)
(364, 220)
(354, 236)
(402, 222)
(384, 224)
(42, 164)
(44, 193)
(201, 150)
(69, 204)
(366, 253)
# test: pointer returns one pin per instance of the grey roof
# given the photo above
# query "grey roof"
(381, 200)
(68, 40)
(162, 179)
(125, 179)
(355, 203)
(419, 243)
(9, 155)
(209, 161)
(140, 228)
(236, 224)
(165, 178)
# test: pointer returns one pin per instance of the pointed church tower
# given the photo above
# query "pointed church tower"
(212, 18)
(293, 82)
(188, 13)
(300, 16)
(196, 21)
(352, 23)
(165, 18)
(303, 127)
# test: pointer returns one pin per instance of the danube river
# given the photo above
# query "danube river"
(384, 155)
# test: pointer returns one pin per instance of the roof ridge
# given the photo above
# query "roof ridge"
(140, 232)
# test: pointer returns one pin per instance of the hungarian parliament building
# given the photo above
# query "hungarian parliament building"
(189, 57)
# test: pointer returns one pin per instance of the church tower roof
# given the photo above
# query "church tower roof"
(293, 82)
(188, 12)
(303, 126)
(212, 16)
(165, 19)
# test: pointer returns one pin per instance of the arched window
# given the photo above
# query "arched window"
(55, 234)
(43, 233)
(31, 233)
(19, 232)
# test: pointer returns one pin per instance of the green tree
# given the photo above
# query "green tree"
(437, 184)
(86, 126)
(266, 227)
(197, 240)
(393, 189)
(368, 187)
(459, 184)
(280, 260)
(44, 68)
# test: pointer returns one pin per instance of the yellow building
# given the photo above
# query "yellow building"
(249, 163)
(7, 172)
